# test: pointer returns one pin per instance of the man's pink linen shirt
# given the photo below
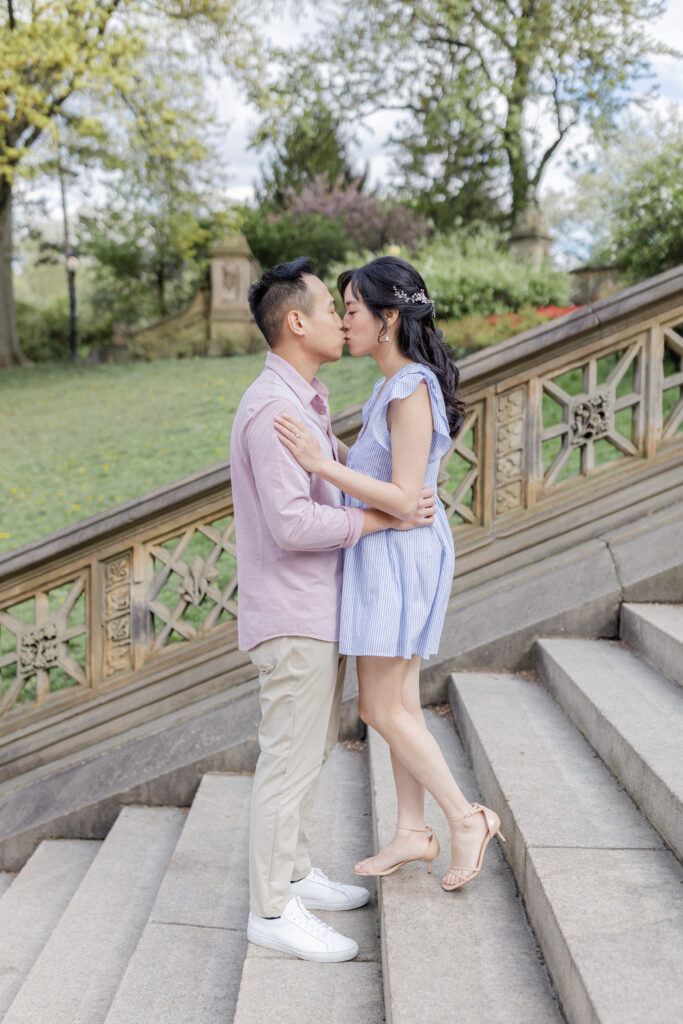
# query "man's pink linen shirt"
(290, 525)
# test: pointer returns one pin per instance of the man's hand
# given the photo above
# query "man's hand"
(424, 513)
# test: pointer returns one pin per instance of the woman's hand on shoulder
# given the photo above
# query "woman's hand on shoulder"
(424, 513)
(301, 442)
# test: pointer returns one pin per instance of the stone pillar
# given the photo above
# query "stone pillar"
(529, 238)
(231, 327)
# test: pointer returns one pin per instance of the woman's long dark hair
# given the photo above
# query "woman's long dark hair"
(377, 284)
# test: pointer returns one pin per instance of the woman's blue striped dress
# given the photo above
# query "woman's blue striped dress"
(397, 582)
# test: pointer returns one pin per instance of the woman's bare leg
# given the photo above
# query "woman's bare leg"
(409, 792)
(381, 691)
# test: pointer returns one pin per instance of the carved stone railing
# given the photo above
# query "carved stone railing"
(557, 418)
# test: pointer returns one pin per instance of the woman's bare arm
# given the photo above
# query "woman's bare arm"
(411, 437)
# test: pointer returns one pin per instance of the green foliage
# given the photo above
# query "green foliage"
(476, 275)
(280, 237)
(44, 332)
(95, 70)
(307, 146)
(624, 206)
(475, 80)
(646, 224)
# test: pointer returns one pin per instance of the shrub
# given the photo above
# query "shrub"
(472, 333)
(44, 333)
(278, 238)
(470, 275)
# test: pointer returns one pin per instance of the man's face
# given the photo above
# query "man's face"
(324, 331)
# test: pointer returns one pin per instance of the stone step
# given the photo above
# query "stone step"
(655, 631)
(601, 891)
(6, 879)
(631, 715)
(77, 973)
(160, 762)
(460, 956)
(81, 797)
(187, 966)
(32, 907)
(280, 988)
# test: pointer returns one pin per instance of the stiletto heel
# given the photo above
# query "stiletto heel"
(492, 829)
(430, 854)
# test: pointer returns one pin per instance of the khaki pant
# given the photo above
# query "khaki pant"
(301, 692)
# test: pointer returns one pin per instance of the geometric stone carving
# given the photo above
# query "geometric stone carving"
(510, 452)
(609, 385)
(590, 418)
(458, 482)
(188, 600)
(42, 655)
(672, 382)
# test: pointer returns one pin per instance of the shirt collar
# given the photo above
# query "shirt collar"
(304, 391)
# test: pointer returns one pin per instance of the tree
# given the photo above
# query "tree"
(477, 79)
(624, 206)
(158, 208)
(58, 60)
(307, 146)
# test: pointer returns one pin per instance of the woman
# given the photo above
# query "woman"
(396, 584)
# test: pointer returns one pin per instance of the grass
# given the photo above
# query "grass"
(78, 439)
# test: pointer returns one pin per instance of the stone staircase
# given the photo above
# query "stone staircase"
(582, 922)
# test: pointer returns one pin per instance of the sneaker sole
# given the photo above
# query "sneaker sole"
(328, 957)
(360, 901)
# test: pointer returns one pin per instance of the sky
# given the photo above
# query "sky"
(243, 163)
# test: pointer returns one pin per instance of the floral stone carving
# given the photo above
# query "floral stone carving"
(590, 418)
(39, 648)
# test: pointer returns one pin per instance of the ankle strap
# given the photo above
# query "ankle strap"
(409, 828)
(474, 809)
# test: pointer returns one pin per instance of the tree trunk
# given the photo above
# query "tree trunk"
(10, 349)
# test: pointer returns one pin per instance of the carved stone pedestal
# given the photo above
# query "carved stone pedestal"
(231, 327)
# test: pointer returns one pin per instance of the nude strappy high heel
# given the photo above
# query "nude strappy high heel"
(492, 828)
(430, 854)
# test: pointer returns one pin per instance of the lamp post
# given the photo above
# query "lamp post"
(71, 260)
(71, 268)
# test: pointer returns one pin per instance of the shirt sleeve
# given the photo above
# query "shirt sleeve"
(296, 522)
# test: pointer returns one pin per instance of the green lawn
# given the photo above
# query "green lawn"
(77, 439)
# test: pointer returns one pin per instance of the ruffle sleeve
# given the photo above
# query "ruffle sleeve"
(401, 386)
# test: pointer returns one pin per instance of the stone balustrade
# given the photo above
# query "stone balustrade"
(560, 420)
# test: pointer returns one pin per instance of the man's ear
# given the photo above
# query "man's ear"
(293, 322)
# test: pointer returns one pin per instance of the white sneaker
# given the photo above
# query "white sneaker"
(302, 934)
(318, 893)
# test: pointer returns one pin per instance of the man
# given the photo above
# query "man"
(290, 529)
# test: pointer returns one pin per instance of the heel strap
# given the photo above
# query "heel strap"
(409, 828)
(474, 809)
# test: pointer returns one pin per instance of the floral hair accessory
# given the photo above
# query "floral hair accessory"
(416, 297)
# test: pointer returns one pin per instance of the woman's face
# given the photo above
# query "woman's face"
(362, 328)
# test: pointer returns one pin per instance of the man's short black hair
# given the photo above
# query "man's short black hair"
(274, 294)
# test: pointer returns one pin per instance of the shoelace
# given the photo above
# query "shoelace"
(313, 922)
